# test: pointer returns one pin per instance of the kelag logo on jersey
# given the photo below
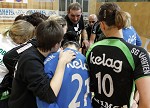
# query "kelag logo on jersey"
(109, 62)
(77, 65)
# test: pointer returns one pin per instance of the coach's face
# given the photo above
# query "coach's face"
(74, 15)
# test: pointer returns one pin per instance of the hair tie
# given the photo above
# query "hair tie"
(104, 13)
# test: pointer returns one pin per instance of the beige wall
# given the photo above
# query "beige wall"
(56, 5)
(139, 11)
(140, 15)
(31, 5)
(92, 6)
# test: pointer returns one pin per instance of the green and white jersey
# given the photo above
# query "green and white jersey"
(6, 44)
(114, 66)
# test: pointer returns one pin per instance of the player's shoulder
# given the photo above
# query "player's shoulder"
(51, 57)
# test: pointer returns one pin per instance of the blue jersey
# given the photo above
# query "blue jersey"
(74, 92)
(131, 36)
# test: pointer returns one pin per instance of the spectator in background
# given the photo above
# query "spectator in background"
(116, 65)
(96, 33)
(74, 92)
(19, 32)
(75, 22)
(91, 20)
(129, 33)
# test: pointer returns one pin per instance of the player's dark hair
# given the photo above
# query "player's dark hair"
(112, 15)
(48, 34)
(70, 38)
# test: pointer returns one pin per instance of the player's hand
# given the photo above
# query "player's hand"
(134, 105)
(66, 56)
(86, 43)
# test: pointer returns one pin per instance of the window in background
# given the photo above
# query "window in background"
(61, 5)
(85, 5)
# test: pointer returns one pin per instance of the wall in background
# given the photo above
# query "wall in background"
(139, 11)
(140, 17)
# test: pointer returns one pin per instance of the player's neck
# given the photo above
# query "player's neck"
(72, 47)
(115, 33)
(45, 54)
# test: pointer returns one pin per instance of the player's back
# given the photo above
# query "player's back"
(115, 65)
(74, 92)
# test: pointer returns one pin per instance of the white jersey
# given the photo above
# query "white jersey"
(6, 43)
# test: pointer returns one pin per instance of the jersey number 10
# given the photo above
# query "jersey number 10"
(102, 84)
